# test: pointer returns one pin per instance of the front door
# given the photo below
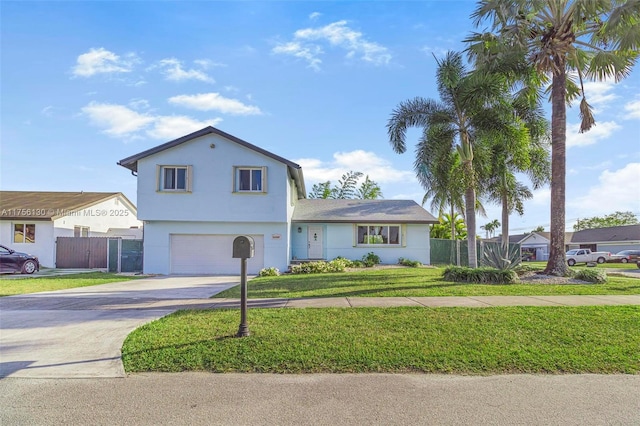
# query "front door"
(315, 242)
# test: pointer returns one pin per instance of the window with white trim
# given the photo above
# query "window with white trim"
(80, 231)
(24, 232)
(250, 179)
(174, 178)
(379, 235)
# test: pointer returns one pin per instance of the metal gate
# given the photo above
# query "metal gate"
(125, 255)
(81, 252)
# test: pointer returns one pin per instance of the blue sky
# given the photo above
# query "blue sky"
(86, 84)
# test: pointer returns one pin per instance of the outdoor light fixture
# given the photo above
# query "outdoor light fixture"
(299, 230)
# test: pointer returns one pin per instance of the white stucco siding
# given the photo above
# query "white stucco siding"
(43, 247)
(112, 213)
(212, 196)
(157, 241)
(339, 241)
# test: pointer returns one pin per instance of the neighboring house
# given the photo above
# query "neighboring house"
(196, 194)
(32, 221)
(612, 239)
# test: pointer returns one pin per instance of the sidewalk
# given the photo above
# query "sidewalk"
(433, 302)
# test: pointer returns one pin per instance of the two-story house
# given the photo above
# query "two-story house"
(198, 192)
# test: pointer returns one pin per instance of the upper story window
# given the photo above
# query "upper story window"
(24, 233)
(174, 178)
(379, 235)
(250, 179)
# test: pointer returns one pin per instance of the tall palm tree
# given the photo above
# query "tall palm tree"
(452, 124)
(490, 227)
(591, 39)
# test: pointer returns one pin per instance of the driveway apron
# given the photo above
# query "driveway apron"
(78, 333)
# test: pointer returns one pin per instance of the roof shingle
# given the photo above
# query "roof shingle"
(360, 211)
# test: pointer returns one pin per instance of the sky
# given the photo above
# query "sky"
(86, 84)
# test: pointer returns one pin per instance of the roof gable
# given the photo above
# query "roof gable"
(613, 233)
(361, 211)
(295, 171)
(49, 205)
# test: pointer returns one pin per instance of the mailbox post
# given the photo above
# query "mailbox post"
(243, 249)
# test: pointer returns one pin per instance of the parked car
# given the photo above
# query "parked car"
(586, 256)
(625, 256)
(14, 261)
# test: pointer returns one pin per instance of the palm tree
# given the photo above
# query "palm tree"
(491, 227)
(562, 38)
(447, 224)
(465, 110)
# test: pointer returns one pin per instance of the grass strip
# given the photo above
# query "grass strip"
(12, 287)
(412, 282)
(444, 340)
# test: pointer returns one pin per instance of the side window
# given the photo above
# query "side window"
(24, 233)
(250, 179)
(174, 178)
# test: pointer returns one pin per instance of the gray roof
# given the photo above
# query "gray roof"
(360, 211)
(613, 233)
(295, 170)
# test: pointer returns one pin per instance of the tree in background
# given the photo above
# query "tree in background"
(447, 223)
(491, 227)
(569, 40)
(614, 219)
(538, 229)
(347, 188)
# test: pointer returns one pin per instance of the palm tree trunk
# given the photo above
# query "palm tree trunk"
(557, 260)
(505, 219)
(453, 223)
(470, 209)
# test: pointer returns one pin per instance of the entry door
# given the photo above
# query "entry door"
(315, 242)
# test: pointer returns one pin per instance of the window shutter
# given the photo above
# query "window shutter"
(264, 179)
(189, 187)
(158, 178)
(355, 235)
(403, 229)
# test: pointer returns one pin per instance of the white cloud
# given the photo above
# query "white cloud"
(598, 132)
(102, 61)
(305, 44)
(139, 104)
(377, 168)
(122, 122)
(612, 193)
(308, 53)
(174, 126)
(541, 197)
(633, 110)
(214, 102)
(315, 15)
(116, 120)
(173, 70)
(438, 51)
(47, 111)
(597, 92)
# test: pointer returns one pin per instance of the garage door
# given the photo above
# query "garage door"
(211, 254)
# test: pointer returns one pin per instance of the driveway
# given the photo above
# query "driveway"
(78, 333)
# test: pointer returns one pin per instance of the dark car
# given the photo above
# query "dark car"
(626, 256)
(14, 261)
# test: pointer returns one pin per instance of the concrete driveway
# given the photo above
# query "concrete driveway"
(78, 333)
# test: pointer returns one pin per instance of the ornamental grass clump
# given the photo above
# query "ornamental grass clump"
(480, 275)
(410, 263)
(597, 276)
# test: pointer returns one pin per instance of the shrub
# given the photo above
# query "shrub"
(480, 275)
(499, 256)
(370, 259)
(320, 267)
(269, 272)
(597, 276)
(357, 264)
(344, 261)
(411, 263)
(523, 269)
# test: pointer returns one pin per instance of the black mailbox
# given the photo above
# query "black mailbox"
(243, 248)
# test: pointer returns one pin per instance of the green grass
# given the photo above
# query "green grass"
(11, 287)
(444, 340)
(410, 282)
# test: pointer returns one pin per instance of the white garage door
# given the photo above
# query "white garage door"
(211, 254)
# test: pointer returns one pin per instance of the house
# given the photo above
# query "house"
(612, 239)
(32, 221)
(197, 193)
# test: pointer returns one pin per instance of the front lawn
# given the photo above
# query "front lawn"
(411, 282)
(11, 287)
(501, 340)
